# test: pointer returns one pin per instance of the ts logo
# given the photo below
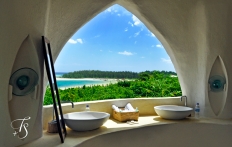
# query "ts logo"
(21, 128)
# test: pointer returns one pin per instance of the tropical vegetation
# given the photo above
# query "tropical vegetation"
(148, 84)
(108, 74)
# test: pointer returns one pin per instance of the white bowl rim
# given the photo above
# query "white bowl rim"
(107, 115)
(173, 108)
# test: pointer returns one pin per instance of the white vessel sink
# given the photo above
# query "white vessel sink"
(86, 120)
(173, 111)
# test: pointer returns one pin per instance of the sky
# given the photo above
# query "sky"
(114, 40)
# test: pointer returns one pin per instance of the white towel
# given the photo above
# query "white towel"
(129, 107)
(115, 108)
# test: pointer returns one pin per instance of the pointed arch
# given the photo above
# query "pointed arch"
(129, 6)
(132, 8)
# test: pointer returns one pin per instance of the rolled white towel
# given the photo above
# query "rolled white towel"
(129, 107)
(125, 110)
(115, 108)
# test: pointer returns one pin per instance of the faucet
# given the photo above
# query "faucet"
(64, 102)
(185, 103)
(67, 102)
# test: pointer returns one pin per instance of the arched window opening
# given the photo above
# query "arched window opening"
(108, 50)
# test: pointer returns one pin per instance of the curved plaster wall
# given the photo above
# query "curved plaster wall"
(26, 106)
(192, 32)
(217, 99)
(190, 135)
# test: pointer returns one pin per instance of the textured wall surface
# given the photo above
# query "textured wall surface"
(145, 106)
(193, 32)
(166, 135)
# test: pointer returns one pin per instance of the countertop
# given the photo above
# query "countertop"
(74, 138)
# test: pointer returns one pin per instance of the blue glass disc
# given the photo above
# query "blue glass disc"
(217, 83)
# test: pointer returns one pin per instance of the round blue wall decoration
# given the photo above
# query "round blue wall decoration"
(24, 81)
(217, 83)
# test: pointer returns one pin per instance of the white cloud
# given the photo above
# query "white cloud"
(117, 10)
(159, 46)
(130, 23)
(126, 29)
(136, 20)
(142, 57)
(153, 46)
(166, 60)
(125, 53)
(97, 36)
(152, 35)
(80, 41)
(112, 10)
(72, 41)
(136, 34)
(109, 9)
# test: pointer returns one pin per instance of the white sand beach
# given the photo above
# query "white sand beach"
(91, 79)
(100, 81)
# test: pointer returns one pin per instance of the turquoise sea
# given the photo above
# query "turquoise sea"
(65, 83)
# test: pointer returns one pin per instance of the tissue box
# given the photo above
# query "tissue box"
(125, 116)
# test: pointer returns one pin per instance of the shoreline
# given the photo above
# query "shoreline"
(103, 82)
(88, 79)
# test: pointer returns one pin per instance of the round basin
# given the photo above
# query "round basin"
(173, 111)
(85, 121)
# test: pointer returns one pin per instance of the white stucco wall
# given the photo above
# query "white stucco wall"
(171, 135)
(194, 33)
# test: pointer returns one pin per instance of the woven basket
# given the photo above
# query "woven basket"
(125, 116)
(52, 127)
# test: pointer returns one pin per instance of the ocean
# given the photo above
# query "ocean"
(65, 83)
